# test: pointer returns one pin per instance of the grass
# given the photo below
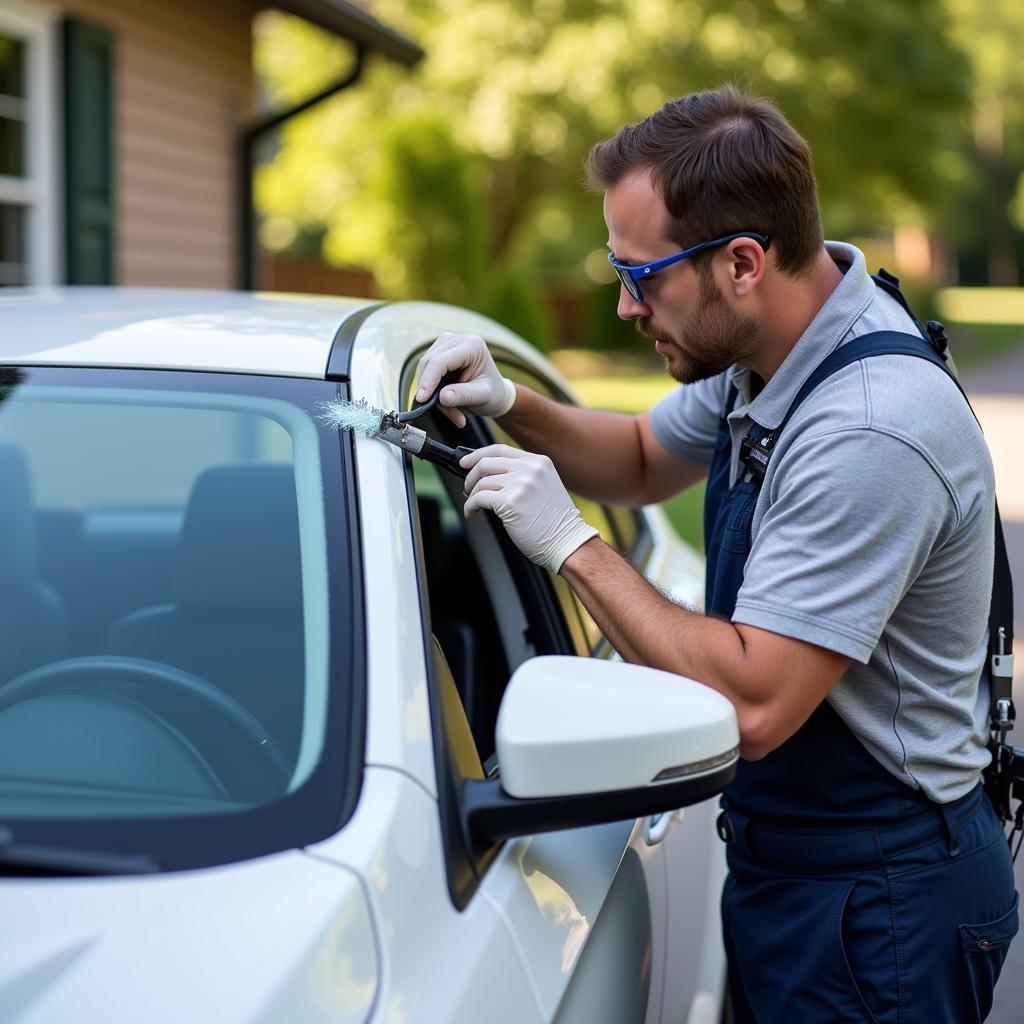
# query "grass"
(975, 344)
(635, 394)
(982, 323)
(982, 305)
(686, 512)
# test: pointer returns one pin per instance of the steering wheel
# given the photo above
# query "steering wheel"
(241, 753)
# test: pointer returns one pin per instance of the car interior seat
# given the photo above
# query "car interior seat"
(106, 561)
(33, 620)
(236, 616)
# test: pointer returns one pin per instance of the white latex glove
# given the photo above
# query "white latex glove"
(526, 493)
(481, 388)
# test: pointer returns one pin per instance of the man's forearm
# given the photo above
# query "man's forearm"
(647, 628)
(597, 454)
(774, 682)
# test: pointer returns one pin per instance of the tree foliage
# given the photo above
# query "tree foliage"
(456, 178)
(988, 216)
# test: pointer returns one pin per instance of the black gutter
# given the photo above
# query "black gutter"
(347, 20)
(250, 138)
(368, 34)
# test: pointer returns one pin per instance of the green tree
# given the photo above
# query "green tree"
(987, 220)
(467, 171)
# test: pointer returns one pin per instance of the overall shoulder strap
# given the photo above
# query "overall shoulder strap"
(758, 445)
(1001, 608)
(878, 343)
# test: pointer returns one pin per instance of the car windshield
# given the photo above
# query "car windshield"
(164, 597)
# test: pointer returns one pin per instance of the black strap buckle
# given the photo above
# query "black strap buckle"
(937, 336)
(755, 453)
(724, 828)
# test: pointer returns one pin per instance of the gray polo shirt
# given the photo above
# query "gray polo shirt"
(872, 534)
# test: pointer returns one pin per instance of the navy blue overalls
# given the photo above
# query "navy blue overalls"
(850, 897)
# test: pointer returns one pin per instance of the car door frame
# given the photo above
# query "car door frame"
(508, 885)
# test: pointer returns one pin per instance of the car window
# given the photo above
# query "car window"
(438, 509)
(164, 602)
(489, 609)
(465, 617)
(621, 528)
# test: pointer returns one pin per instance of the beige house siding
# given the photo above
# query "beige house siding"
(183, 91)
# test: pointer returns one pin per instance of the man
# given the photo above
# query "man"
(848, 590)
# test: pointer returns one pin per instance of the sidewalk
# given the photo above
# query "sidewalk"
(997, 394)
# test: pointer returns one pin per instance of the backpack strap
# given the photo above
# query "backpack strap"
(1004, 778)
(890, 284)
(933, 332)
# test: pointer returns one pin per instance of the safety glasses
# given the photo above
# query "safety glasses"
(631, 276)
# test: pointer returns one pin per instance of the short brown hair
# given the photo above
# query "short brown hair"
(722, 161)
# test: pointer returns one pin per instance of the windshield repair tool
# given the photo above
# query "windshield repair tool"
(395, 428)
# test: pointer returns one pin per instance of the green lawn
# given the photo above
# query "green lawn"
(982, 323)
(686, 511)
(975, 344)
(635, 394)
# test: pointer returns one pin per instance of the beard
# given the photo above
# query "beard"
(712, 339)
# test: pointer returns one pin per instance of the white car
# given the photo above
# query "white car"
(285, 738)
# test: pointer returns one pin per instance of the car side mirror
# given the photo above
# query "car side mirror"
(583, 741)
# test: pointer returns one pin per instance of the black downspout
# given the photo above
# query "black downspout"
(247, 253)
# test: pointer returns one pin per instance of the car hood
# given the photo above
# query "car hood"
(284, 938)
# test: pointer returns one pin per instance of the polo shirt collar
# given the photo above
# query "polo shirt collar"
(831, 324)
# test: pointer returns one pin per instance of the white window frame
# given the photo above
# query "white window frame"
(38, 192)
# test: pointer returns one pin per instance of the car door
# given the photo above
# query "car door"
(581, 907)
(577, 903)
(682, 856)
(589, 908)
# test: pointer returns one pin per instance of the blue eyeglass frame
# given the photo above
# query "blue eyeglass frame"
(631, 276)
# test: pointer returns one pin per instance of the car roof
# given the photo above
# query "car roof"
(177, 329)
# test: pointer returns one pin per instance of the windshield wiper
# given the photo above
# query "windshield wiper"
(54, 861)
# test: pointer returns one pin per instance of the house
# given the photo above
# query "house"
(126, 135)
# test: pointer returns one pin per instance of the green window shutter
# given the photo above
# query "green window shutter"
(88, 153)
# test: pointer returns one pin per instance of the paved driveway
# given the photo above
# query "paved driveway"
(997, 394)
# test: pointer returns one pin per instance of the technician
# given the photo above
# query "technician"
(849, 567)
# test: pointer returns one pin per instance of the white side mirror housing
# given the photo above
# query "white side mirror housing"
(584, 725)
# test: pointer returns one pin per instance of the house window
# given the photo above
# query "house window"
(12, 245)
(12, 106)
(27, 195)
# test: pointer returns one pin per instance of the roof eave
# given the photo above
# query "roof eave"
(345, 19)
